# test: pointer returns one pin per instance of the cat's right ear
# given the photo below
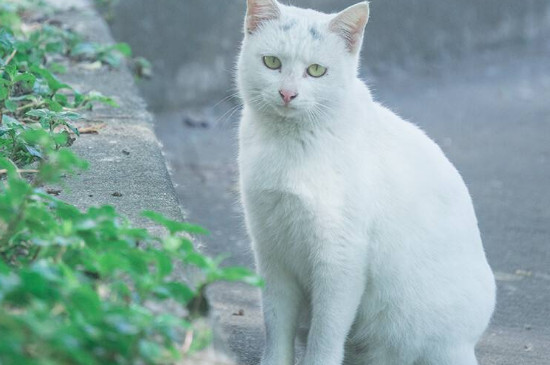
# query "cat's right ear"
(259, 11)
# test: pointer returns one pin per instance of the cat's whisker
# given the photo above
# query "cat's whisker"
(228, 114)
(227, 98)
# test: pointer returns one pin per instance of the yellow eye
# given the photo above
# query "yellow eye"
(316, 70)
(272, 62)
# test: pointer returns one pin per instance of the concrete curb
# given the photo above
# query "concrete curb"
(127, 169)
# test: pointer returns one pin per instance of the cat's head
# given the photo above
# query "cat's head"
(297, 63)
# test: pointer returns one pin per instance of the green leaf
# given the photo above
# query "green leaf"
(27, 78)
(199, 260)
(84, 49)
(123, 48)
(4, 90)
(73, 129)
(8, 165)
(174, 226)
(179, 292)
(10, 105)
(151, 351)
(53, 83)
(97, 96)
(39, 113)
(11, 71)
(112, 261)
(58, 68)
(54, 47)
(138, 262)
(10, 121)
(113, 59)
(240, 274)
(61, 99)
(54, 105)
(33, 151)
(7, 40)
(164, 264)
(86, 301)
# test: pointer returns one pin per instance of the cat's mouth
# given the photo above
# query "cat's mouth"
(280, 109)
(286, 110)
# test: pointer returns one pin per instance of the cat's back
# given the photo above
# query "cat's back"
(407, 159)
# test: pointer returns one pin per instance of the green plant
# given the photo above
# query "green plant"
(31, 95)
(80, 287)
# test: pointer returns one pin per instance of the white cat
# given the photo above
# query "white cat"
(358, 220)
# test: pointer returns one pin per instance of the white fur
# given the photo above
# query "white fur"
(358, 220)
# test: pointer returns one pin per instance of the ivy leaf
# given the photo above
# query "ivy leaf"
(6, 119)
(54, 105)
(10, 105)
(164, 264)
(61, 99)
(173, 226)
(84, 49)
(11, 70)
(200, 261)
(150, 351)
(123, 48)
(179, 291)
(240, 274)
(8, 165)
(97, 96)
(4, 89)
(33, 151)
(27, 78)
(53, 83)
(7, 40)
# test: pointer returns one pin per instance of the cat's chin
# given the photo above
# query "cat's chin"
(287, 112)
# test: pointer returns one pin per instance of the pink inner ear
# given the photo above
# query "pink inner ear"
(350, 25)
(259, 12)
(349, 34)
(252, 19)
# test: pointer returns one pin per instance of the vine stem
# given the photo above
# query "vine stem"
(10, 57)
(12, 225)
(4, 171)
(187, 341)
(30, 105)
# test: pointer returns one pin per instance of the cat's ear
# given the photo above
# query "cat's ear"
(350, 25)
(259, 11)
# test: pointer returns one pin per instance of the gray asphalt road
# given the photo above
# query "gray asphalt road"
(491, 115)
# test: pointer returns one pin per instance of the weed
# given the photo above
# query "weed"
(80, 287)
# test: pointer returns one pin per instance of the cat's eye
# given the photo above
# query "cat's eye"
(316, 70)
(272, 62)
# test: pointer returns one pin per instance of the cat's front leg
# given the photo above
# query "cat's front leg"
(338, 288)
(281, 301)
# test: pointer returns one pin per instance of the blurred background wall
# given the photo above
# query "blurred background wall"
(193, 43)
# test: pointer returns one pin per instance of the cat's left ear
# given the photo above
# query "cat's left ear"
(259, 11)
(350, 25)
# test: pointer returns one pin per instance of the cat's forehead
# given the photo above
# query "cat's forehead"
(301, 19)
(296, 28)
(303, 22)
(297, 31)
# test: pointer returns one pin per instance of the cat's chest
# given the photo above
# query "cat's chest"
(289, 193)
(292, 173)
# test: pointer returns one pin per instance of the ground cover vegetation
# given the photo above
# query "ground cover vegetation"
(80, 287)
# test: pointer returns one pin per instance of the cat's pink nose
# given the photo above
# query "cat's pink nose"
(288, 95)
